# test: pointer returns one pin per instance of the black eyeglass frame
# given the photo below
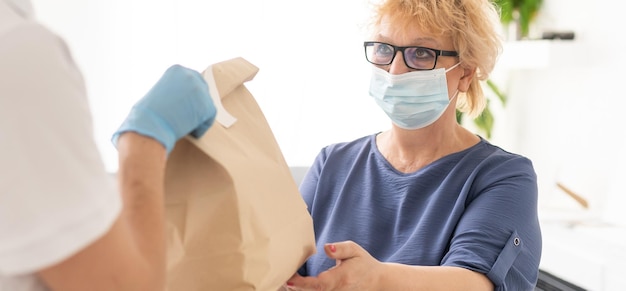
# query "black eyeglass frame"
(402, 48)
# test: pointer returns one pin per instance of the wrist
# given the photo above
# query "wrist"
(394, 276)
(381, 277)
(150, 125)
(138, 149)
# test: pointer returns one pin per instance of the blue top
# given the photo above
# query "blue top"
(475, 209)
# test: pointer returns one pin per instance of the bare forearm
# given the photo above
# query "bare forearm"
(131, 255)
(405, 277)
(141, 170)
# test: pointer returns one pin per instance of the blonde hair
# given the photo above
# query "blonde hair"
(471, 24)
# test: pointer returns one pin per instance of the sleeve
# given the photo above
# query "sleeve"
(499, 233)
(308, 186)
(55, 195)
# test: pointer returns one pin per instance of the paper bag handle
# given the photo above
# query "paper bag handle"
(223, 117)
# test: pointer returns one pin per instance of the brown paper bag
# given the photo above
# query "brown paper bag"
(236, 220)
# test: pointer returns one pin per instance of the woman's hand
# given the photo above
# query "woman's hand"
(355, 269)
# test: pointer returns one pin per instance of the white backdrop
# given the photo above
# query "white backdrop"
(567, 114)
(313, 78)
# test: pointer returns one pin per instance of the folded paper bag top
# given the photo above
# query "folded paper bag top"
(236, 220)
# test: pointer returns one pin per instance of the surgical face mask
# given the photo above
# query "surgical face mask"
(412, 100)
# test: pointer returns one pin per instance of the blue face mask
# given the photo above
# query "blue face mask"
(412, 100)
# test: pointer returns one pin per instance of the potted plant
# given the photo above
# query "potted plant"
(520, 13)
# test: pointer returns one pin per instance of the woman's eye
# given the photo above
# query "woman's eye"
(384, 50)
(421, 53)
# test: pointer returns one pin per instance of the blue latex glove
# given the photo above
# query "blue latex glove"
(177, 105)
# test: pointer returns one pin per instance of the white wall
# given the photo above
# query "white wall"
(312, 83)
(566, 114)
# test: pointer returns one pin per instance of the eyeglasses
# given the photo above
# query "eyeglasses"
(415, 57)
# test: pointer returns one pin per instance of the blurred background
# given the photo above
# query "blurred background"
(564, 96)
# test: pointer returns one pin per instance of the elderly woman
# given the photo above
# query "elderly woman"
(427, 204)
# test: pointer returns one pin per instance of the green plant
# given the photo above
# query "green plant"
(519, 12)
(485, 121)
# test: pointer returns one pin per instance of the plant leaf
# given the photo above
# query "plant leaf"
(485, 121)
(506, 10)
(459, 116)
(496, 90)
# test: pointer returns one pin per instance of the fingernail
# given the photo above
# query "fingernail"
(290, 284)
(332, 248)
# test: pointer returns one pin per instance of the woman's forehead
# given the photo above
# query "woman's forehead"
(409, 33)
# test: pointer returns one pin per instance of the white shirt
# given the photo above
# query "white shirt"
(55, 195)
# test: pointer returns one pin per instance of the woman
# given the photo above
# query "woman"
(425, 205)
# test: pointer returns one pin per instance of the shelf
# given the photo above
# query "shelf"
(542, 54)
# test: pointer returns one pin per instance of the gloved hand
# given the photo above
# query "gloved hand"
(177, 105)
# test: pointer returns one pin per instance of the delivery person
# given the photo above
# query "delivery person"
(63, 225)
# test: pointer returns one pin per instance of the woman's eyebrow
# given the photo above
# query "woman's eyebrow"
(419, 41)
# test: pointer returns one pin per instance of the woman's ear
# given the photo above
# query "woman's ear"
(466, 79)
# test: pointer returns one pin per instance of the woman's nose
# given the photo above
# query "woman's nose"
(398, 66)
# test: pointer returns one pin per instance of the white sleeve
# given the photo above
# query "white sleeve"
(55, 195)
